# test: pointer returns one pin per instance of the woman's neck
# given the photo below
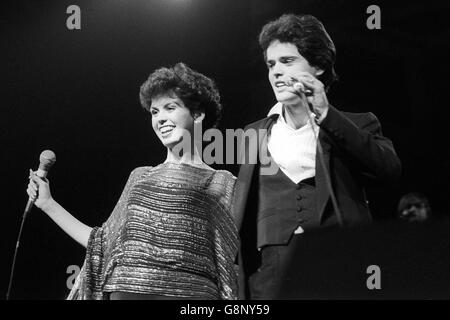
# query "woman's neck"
(192, 158)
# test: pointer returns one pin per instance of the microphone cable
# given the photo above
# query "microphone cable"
(326, 172)
(46, 160)
(11, 276)
(302, 94)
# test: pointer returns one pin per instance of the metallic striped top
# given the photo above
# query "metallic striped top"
(171, 233)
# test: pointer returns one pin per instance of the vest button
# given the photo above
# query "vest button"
(299, 197)
(299, 209)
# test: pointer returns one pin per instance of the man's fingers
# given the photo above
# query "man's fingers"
(32, 185)
(31, 193)
(38, 180)
(305, 77)
(299, 93)
(311, 82)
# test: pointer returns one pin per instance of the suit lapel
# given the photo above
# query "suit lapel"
(247, 170)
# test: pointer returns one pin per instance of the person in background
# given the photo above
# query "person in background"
(414, 206)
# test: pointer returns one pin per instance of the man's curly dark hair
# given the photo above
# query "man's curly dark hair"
(308, 34)
(198, 92)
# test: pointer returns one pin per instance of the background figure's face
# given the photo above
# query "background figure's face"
(170, 118)
(283, 62)
(415, 212)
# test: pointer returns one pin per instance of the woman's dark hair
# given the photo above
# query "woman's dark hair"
(308, 34)
(198, 92)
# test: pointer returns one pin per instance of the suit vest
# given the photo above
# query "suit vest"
(283, 206)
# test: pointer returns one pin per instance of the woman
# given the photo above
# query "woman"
(171, 234)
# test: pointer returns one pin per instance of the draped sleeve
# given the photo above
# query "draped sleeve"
(97, 263)
(226, 243)
(190, 206)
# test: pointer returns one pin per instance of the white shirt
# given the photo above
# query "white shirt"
(293, 150)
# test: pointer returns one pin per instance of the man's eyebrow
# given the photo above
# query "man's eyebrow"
(283, 57)
(289, 57)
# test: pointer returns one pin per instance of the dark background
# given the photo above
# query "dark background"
(76, 93)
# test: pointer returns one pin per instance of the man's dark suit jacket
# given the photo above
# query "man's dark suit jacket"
(354, 153)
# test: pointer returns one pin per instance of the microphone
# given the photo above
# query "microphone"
(300, 88)
(46, 160)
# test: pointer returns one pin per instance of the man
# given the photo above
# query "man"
(414, 207)
(325, 157)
